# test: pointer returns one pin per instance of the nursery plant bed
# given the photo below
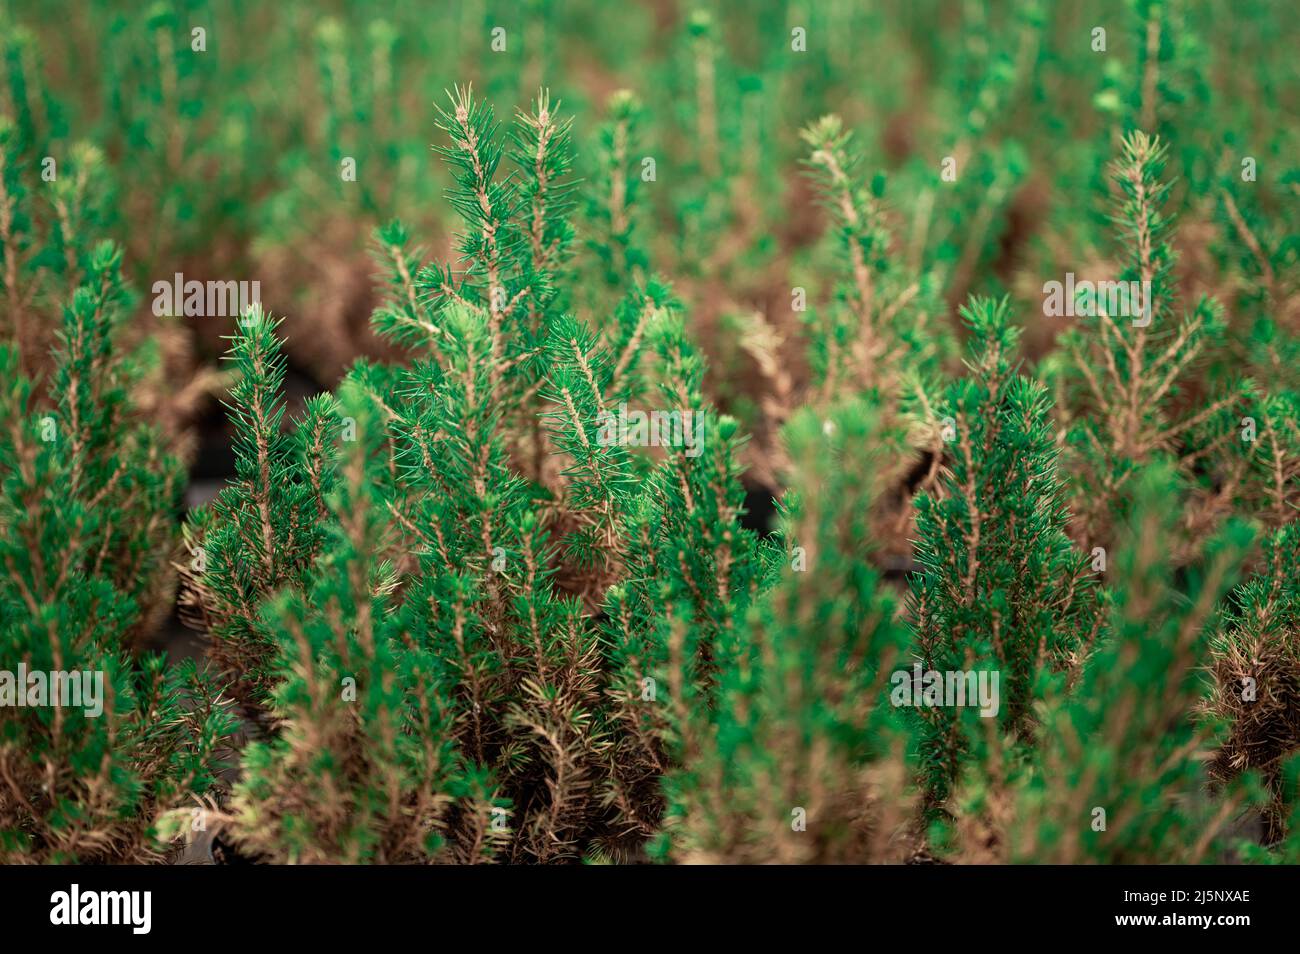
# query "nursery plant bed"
(769, 435)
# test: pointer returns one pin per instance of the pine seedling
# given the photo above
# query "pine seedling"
(159, 110)
(1256, 465)
(981, 166)
(686, 569)
(1124, 376)
(364, 767)
(1149, 80)
(44, 247)
(54, 198)
(517, 663)
(703, 50)
(700, 82)
(798, 757)
(674, 620)
(519, 708)
(1257, 240)
(103, 740)
(121, 468)
(1256, 665)
(488, 205)
(1165, 81)
(1000, 586)
(1267, 471)
(625, 537)
(713, 123)
(263, 531)
(877, 329)
(356, 71)
(517, 237)
(611, 198)
(26, 97)
(1120, 776)
(701, 498)
(543, 152)
(877, 334)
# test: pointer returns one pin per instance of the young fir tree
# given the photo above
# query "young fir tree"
(525, 667)
(56, 195)
(520, 663)
(476, 455)
(966, 220)
(1124, 375)
(1261, 475)
(516, 239)
(699, 82)
(611, 198)
(878, 329)
(878, 334)
(1256, 664)
(1119, 777)
(86, 502)
(504, 533)
(364, 767)
(1000, 586)
(264, 530)
(798, 757)
(44, 230)
(689, 571)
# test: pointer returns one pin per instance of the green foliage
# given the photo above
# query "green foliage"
(877, 329)
(797, 760)
(264, 529)
(616, 180)
(509, 555)
(1129, 374)
(1256, 659)
(1117, 777)
(44, 249)
(363, 767)
(86, 500)
(1000, 586)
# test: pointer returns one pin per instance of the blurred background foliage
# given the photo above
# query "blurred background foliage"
(225, 163)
